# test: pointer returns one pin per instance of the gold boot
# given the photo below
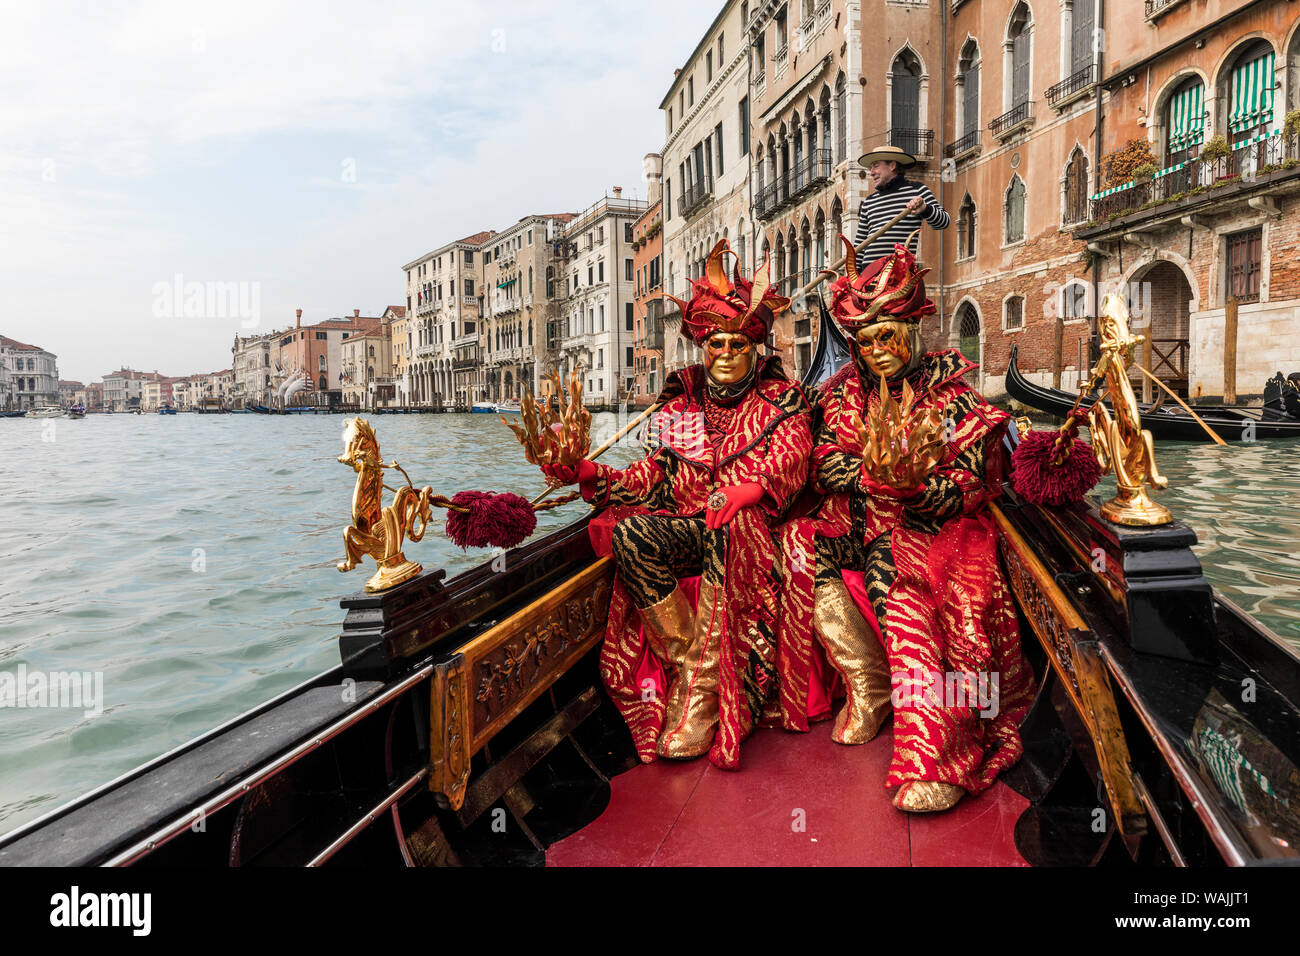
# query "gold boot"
(927, 796)
(670, 627)
(692, 712)
(852, 649)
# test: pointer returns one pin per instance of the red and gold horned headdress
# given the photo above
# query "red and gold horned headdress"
(890, 289)
(738, 305)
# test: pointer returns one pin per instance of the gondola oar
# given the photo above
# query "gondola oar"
(1212, 433)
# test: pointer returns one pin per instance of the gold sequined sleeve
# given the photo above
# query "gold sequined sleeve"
(958, 485)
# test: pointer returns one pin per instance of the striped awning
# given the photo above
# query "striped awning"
(1252, 94)
(1187, 118)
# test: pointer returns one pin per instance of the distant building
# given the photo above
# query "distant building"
(252, 368)
(29, 375)
(647, 297)
(597, 313)
(513, 306)
(71, 393)
(396, 316)
(443, 351)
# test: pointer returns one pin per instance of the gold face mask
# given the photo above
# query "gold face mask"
(885, 347)
(728, 357)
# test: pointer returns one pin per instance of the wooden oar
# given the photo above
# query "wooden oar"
(1210, 431)
(609, 444)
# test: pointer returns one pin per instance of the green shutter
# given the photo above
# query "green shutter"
(1252, 94)
(1187, 119)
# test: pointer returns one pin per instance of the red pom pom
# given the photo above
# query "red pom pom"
(492, 521)
(1037, 479)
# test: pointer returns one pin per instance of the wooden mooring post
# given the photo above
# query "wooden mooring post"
(1230, 351)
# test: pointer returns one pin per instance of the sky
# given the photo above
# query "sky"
(275, 156)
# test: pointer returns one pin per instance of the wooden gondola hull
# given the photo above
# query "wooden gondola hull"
(1170, 423)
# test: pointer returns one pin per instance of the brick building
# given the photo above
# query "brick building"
(648, 299)
(1218, 219)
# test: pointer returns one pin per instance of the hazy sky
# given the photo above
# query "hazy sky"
(308, 150)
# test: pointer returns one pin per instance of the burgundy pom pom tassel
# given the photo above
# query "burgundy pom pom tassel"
(1038, 479)
(491, 521)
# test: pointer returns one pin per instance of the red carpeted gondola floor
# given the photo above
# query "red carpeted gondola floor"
(797, 800)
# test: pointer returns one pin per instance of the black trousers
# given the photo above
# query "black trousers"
(653, 552)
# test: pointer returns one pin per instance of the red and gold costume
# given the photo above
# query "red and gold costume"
(727, 458)
(930, 576)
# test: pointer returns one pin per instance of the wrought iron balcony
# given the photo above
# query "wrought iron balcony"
(916, 142)
(1013, 119)
(1155, 6)
(696, 196)
(1075, 83)
(965, 144)
(1199, 181)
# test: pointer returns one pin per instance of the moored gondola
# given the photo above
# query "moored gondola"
(1167, 421)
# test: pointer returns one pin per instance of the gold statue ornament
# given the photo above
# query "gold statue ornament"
(901, 445)
(1120, 443)
(375, 530)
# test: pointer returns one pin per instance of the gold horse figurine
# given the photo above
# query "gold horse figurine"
(375, 530)
(1120, 442)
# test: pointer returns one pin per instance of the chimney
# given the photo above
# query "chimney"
(299, 323)
(356, 313)
(618, 192)
(652, 168)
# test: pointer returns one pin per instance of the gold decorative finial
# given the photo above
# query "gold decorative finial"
(375, 530)
(1120, 443)
(555, 437)
(901, 445)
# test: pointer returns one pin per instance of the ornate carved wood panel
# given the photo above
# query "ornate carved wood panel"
(500, 672)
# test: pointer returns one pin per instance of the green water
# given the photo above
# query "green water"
(190, 560)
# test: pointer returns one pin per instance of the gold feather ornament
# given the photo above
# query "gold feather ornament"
(550, 437)
(901, 444)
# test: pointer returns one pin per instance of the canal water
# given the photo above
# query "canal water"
(190, 561)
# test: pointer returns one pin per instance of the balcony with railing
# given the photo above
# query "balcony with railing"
(467, 358)
(1155, 8)
(652, 336)
(1020, 116)
(696, 195)
(1195, 184)
(965, 145)
(915, 142)
(810, 172)
(1073, 87)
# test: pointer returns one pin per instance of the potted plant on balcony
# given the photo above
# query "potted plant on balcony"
(1145, 172)
(1215, 150)
(1291, 125)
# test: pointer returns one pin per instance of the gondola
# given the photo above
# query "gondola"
(466, 724)
(1169, 422)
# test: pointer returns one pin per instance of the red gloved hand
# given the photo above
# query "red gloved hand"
(880, 490)
(570, 474)
(738, 496)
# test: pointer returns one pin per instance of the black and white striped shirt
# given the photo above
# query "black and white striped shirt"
(883, 205)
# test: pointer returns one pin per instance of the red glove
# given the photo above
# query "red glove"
(904, 495)
(738, 496)
(583, 471)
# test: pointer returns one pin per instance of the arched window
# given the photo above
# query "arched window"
(1013, 312)
(324, 384)
(797, 134)
(1019, 39)
(968, 328)
(841, 106)
(966, 221)
(1250, 91)
(1015, 209)
(1184, 121)
(1074, 302)
(1076, 188)
(968, 88)
(905, 102)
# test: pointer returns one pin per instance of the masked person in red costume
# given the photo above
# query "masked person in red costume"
(730, 449)
(951, 663)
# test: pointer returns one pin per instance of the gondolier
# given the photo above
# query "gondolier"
(893, 193)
